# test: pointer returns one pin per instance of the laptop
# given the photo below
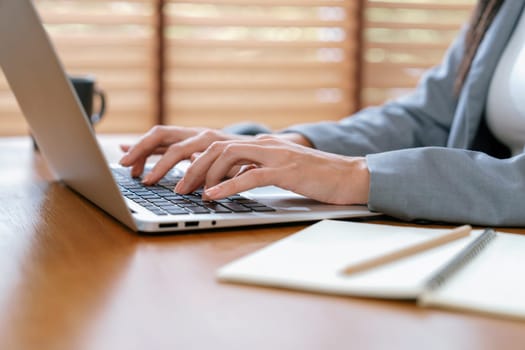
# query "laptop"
(67, 141)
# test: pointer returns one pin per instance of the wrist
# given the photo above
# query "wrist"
(361, 180)
(351, 180)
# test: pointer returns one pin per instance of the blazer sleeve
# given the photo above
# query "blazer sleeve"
(450, 185)
(423, 118)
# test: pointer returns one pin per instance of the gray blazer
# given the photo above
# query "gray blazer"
(430, 155)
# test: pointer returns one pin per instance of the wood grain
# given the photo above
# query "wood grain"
(73, 278)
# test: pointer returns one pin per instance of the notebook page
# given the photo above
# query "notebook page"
(313, 258)
(493, 282)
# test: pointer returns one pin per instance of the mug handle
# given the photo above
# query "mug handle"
(96, 117)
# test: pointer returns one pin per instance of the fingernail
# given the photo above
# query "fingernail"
(146, 179)
(180, 186)
(212, 192)
(124, 160)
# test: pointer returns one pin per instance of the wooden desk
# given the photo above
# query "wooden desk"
(73, 278)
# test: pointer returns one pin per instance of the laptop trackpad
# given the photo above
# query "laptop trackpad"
(280, 199)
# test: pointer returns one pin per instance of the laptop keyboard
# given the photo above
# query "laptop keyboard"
(161, 200)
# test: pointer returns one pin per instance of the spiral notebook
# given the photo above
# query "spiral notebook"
(488, 280)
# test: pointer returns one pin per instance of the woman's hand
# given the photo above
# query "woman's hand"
(174, 143)
(177, 144)
(270, 160)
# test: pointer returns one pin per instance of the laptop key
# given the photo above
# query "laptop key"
(197, 210)
(262, 209)
(150, 196)
(157, 211)
(216, 207)
(236, 208)
(236, 197)
(169, 206)
(158, 200)
(176, 211)
(245, 201)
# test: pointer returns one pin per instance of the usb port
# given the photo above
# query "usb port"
(191, 224)
(168, 225)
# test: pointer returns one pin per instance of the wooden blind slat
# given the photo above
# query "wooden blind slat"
(252, 44)
(175, 64)
(430, 5)
(306, 82)
(53, 18)
(273, 3)
(413, 25)
(106, 1)
(137, 40)
(253, 22)
(408, 46)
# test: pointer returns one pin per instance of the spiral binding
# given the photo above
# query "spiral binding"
(467, 254)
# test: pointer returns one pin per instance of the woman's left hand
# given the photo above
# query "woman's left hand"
(269, 160)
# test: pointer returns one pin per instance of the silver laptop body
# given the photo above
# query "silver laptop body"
(67, 141)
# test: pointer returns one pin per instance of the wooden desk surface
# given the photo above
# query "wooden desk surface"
(73, 278)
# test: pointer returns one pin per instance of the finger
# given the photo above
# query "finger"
(235, 155)
(244, 168)
(231, 173)
(174, 154)
(194, 156)
(251, 179)
(195, 174)
(219, 161)
(142, 149)
(138, 167)
(158, 136)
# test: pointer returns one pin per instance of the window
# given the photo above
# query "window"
(275, 61)
(216, 62)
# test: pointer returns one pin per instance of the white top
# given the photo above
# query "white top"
(506, 98)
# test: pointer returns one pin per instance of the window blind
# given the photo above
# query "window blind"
(112, 40)
(273, 61)
(277, 62)
(403, 39)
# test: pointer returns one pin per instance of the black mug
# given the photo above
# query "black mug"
(85, 87)
(86, 90)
